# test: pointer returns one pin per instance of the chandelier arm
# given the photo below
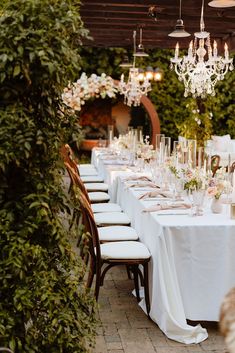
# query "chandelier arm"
(178, 69)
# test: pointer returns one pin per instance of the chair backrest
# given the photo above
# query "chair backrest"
(68, 157)
(215, 161)
(232, 168)
(88, 218)
(78, 181)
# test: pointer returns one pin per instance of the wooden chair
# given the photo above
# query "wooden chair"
(113, 226)
(215, 162)
(86, 170)
(95, 196)
(105, 256)
(232, 168)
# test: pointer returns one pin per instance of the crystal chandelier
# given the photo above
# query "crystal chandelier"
(202, 68)
(134, 88)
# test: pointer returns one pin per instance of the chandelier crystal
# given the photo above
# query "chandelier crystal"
(135, 87)
(202, 68)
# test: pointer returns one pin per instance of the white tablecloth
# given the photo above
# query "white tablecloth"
(193, 262)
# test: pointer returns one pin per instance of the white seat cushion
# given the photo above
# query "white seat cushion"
(221, 143)
(111, 218)
(124, 250)
(88, 172)
(105, 207)
(96, 186)
(92, 179)
(87, 169)
(117, 233)
(86, 165)
(98, 196)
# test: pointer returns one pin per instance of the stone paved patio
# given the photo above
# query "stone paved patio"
(125, 328)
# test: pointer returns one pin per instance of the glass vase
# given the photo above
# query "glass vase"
(216, 205)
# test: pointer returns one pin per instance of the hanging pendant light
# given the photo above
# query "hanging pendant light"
(135, 87)
(222, 3)
(179, 31)
(140, 48)
(125, 64)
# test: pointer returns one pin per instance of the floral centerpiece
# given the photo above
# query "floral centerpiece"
(123, 142)
(219, 185)
(145, 151)
(192, 179)
(76, 93)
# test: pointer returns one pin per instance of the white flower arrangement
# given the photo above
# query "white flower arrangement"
(77, 93)
(123, 142)
(145, 151)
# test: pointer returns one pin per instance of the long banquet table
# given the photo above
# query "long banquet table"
(193, 262)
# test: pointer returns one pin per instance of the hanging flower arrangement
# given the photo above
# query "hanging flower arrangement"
(77, 93)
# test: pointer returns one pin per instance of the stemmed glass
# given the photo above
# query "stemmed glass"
(198, 198)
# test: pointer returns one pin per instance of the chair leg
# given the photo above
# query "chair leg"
(91, 274)
(104, 273)
(136, 279)
(146, 288)
(141, 277)
(128, 272)
(97, 281)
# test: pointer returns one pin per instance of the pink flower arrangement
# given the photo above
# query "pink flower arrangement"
(216, 188)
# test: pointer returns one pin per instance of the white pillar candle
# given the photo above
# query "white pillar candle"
(204, 167)
(141, 136)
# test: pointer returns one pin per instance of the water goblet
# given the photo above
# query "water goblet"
(198, 198)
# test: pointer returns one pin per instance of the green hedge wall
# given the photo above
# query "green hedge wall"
(44, 305)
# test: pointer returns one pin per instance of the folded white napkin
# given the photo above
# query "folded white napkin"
(162, 207)
(109, 157)
(115, 161)
(155, 193)
(136, 177)
(141, 184)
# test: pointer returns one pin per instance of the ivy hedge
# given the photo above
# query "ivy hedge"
(44, 306)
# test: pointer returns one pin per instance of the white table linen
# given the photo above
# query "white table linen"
(192, 265)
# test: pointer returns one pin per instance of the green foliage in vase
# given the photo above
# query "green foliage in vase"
(44, 305)
(198, 125)
(174, 110)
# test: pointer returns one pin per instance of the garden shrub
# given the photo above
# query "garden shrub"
(44, 306)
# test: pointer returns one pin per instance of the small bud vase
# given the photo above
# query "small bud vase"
(216, 206)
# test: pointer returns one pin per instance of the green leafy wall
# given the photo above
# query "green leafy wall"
(44, 305)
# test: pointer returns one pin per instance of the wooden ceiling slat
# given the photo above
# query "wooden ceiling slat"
(111, 23)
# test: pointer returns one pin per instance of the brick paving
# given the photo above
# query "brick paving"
(124, 328)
